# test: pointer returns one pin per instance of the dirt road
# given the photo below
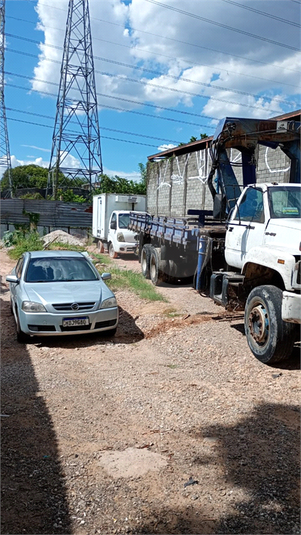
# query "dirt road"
(171, 427)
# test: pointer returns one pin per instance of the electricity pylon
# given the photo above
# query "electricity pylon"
(76, 137)
(5, 161)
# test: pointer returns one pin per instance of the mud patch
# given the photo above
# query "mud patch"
(177, 323)
(131, 462)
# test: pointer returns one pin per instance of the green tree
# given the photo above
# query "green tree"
(118, 184)
(25, 176)
(28, 176)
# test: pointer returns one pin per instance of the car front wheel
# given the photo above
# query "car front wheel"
(22, 338)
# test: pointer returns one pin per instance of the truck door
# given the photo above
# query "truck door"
(246, 227)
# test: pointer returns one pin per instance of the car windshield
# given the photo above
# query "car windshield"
(124, 220)
(59, 269)
(285, 202)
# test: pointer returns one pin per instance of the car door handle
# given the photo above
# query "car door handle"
(230, 229)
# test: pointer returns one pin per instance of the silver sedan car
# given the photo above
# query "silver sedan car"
(60, 293)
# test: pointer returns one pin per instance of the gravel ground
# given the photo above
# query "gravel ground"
(171, 427)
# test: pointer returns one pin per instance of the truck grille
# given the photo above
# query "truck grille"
(68, 306)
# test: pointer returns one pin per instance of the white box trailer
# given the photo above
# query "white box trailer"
(110, 221)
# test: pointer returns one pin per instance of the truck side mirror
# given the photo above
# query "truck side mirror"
(113, 225)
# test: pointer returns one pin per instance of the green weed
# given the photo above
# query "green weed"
(23, 243)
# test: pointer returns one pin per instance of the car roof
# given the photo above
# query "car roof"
(56, 254)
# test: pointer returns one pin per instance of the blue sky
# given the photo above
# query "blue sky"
(171, 69)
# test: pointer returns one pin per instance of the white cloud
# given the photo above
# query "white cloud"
(166, 147)
(132, 175)
(188, 51)
(36, 161)
(37, 148)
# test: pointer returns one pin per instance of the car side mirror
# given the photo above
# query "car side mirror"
(12, 278)
(113, 225)
(106, 276)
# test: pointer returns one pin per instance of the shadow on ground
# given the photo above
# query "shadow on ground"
(32, 483)
(259, 458)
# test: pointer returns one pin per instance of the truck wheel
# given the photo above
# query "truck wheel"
(101, 247)
(157, 267)
(269, 337)
(112, 252)
(145, 260)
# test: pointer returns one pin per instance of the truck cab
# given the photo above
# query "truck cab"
(120, 238)
(265, 223)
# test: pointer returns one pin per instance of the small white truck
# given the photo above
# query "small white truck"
(110, 221)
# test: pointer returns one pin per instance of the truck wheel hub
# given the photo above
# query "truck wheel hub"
(258, 323)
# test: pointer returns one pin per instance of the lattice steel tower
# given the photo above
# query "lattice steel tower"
(76, 130)
(5, 161)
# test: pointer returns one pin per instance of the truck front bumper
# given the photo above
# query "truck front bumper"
(127, 248)
(291, 307)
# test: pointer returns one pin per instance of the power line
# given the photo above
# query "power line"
(136, 102)
(221, 25)
(263, 13)
(102, 128)
(150, 71)
(102, 137)
(189, 64)
(166, 38)
(172, 89)
(199, 125)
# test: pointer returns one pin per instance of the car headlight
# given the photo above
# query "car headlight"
(109, 303)
(120, 236)
(30, 306)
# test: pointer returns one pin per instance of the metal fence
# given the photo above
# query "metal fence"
(75, 218)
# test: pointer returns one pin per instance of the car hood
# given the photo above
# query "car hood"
(67, 292)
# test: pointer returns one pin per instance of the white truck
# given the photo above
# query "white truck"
(246, 253)
(110, 222)
(263, 275)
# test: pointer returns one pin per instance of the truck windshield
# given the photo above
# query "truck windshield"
(123, 220)
(285, 202)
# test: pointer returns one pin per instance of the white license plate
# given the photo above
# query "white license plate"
(75, 322)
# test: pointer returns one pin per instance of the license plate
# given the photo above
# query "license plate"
(75, 322)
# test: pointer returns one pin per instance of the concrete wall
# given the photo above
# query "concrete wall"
(178, 184)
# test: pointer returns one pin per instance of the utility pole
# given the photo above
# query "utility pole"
(76, 137)
(5, 161)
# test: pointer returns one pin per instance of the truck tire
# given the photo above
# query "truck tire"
(112, 252)
(157, 267)
(145, 260)
(101, 247)
(269, 337)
